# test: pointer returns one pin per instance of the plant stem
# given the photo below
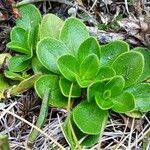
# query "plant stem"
(69, 98)
(69, 121)
(4, 145)
(41, 119)
(74, 136)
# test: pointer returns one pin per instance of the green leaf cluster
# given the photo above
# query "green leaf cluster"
(77, 70)
(24, 37)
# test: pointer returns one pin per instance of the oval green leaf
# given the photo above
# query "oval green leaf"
(48, 51)
(69, 67)
(89, 118)
(146, 72)
(90, 140)
(130, 65)
(89, 46)
(105, 73)
(50, 26)
(13, 76)
(37, 67)
(19, 41)
(18, 63)
(141, 93)
(55, 96)
(88, 70)
(96, 88)
(123, 103)
(69, 89)
(73, 33)
(115, 85)
(30, 17)
(103, 103)
(85, 140)
(111, 51)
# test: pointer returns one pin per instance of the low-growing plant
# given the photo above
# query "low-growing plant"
(111, 25)
(86, 78)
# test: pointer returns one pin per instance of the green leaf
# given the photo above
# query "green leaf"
(134, 114)
(96, 88)
(146, 72)
(33, 37)
(130, 65)
(104, 91)
(90, 140)
(48, 51)
(141, 93)
(103, 100)
(69, 67)
(18, 63)
(89, 118)
(30, 17)
(30, 20)
(67, 132)
(115, 85)
(73, 33)
(85, 140)
(13, 76)
(88, 70)
(50, 26)
(67, 86)
(102, 96)
(18, 47)
(55, 96)
(19, 41)
(111, 51)
(43, 114)
(105, 73)
(89, 46)
(3, 86)
(123, 103)
(37, 67)
(3, 57)
(3, 83)
(24, 85)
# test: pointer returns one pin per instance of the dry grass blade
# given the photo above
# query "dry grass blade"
(143, 134)
(93, 4)
(4, 112)
(130, 135)
(120, 143)
(35, 127)
(126, 5)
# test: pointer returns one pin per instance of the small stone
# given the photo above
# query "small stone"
(72, 11)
